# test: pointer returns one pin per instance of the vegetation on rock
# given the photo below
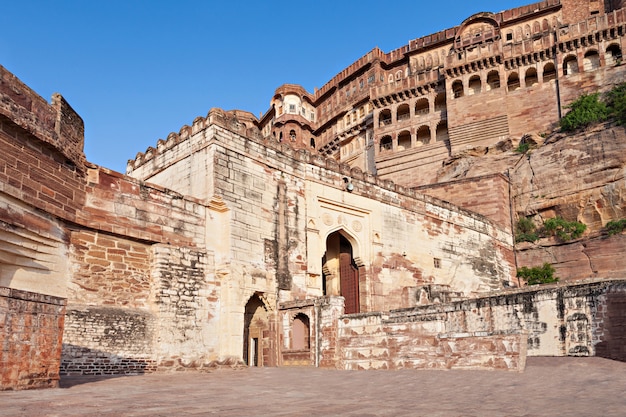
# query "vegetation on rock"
(538, 274)
(615, 227)
(589, 109)
(586, 110)
(563, 229)
(525, 231)
(617, 103)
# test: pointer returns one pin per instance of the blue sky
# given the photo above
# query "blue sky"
(137, 70)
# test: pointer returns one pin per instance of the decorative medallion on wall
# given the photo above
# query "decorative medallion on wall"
(357, 226)
(327, 219)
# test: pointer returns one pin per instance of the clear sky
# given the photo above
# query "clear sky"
(137, 70)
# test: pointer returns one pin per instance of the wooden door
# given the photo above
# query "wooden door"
(349, 282)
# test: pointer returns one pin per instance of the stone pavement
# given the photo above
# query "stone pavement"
(548, 387)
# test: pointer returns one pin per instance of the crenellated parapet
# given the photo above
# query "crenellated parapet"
(237, 121)
(56, 124)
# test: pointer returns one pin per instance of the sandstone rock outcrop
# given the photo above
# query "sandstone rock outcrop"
(579, 177)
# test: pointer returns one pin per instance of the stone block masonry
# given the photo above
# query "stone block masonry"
(107, 341)
(31, 329)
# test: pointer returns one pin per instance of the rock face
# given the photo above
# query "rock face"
(579, 177)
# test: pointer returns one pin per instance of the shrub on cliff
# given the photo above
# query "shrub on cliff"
(616, 99)
(538, 274)
(563, 229)
(586, 110)
(615, 227)
(525, 230)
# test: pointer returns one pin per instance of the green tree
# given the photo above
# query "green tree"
(563, 229)
(525, 230)
(538, 274)
(586, 110)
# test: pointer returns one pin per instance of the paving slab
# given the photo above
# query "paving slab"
(548, 387)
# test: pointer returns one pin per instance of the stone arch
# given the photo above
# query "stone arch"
(474, 85)
(512, 83)
(341, 274)
(457, 89)
(404, 140)
(256, 331)
(440, 101)
(421, 106)
(442, 131)
(531, 78)
(613, 55)
(493, 80)
(591, 60)
(423, 135)
(549, 72)
(300, 332)
(386, 143)
(570, 65)
(384, 117)
(403, 112)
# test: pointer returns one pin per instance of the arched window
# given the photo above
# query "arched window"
(457, 89)
(493, 80)
(549, 72)
(312, 143)
(423, 135)
(292, 135)
(404, 112)
(536, 28)
(300, 336)
(613, 55)
(474, 86)
(442, 131)
(591, 61)
(530, 78)
(386, 143)
(440, 102)
(512, 83)
(280, 137)
(384, 118)
(404, 140)
(421, 107)
(570, 65)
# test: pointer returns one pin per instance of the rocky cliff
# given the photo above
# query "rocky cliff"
(578, 177)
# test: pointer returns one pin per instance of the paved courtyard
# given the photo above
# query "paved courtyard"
(548, 387)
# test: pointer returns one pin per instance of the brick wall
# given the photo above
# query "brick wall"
(108, 341)
(109, 270)
(31, 328)
(488, 195)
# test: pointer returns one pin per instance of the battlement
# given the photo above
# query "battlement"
(331, 172)
(56, 124)
(237, 121)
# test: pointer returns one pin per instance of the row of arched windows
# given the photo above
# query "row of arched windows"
(591, 61)
(422, 136)
(405, 111)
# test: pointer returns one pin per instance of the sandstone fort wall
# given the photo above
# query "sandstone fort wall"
(31, 329)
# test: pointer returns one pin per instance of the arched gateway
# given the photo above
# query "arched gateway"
(341, 273)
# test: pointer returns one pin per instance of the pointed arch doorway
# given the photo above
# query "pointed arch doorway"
(256, 326)
(341, 274)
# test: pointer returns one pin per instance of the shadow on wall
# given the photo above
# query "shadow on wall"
(79, 360)
(614, 330)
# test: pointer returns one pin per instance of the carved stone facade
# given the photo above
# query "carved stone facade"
(301, 238)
